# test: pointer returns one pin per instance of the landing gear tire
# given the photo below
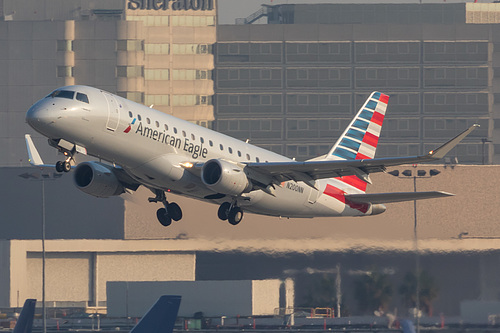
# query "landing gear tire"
(171, 211)
(163, 217)
(59, 166)
(66, 166)
(174, 211)
(63, 166)
(235, 215)
(223, 211)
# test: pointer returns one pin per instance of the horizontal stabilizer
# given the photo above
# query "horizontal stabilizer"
(378, 198)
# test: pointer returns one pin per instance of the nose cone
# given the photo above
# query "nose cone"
(38, 116)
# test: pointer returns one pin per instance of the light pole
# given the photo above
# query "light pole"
(484, 141)
(42, 177)
(409, 174)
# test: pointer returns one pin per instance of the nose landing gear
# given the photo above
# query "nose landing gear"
(171, 211)
(64, 166)
(69, 152)
(230, 212)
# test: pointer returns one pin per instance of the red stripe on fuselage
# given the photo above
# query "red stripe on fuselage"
(338, 194)
(334, 193)
(353, 181)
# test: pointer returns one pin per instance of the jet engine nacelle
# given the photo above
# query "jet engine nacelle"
(97, 179)
(225, 177)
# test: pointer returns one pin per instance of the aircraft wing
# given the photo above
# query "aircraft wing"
(309, 171)
(380, 198)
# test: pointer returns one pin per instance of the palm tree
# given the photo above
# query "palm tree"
(428, 291)
(373, 291)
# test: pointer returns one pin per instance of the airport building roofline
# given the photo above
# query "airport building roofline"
(462, 243)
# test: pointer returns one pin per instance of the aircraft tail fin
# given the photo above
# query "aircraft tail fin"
(161, 317)
(25, 322)
(360, 139)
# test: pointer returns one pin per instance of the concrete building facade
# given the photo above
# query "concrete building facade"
(458, 241)
(77, 277)
(156, 56)
(293, 84)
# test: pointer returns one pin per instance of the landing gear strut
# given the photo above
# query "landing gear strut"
(171, 211)
(230, 212)
(65, 166)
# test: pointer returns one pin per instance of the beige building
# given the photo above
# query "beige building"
(158, 56)
(93, 241)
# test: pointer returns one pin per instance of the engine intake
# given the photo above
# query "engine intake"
(225, 177)
(97, 179)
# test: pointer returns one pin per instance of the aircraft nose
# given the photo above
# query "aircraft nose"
(38, 116)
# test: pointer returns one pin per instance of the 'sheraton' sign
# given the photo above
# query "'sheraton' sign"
(174, 4)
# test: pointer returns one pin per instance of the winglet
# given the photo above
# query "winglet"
(33, 155)
(25, 322)
(440, 152)
(161, 317)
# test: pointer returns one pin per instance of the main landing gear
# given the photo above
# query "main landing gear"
(171, 211)
(231, 212)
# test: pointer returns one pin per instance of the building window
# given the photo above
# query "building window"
(189, 100)
(129, 45)
(156, 74)
(64, 45)
(191, 49)
(135, 96)
(191, 74)
(193, 21)
(152, 21)
(157, 99)
(129, 71)
(64, 71)
(157, 48)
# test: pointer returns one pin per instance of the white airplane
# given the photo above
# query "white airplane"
(147, 147)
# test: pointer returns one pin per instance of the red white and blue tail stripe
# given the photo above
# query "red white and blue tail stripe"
(360, 139)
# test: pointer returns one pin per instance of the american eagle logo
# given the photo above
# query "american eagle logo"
(129, 126)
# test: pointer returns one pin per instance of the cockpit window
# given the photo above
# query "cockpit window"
(63, 93)
(82, 97)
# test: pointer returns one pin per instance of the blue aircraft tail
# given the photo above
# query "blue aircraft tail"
(25, 322)
(161, 317)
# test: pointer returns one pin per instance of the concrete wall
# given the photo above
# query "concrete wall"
(52, 43)
(213, 298)
(475, 189)
(69, 213)
(77, 270)
(265, 296)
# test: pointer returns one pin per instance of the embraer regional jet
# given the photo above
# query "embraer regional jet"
(146, 147)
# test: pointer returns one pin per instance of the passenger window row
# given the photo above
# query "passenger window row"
(193, 137)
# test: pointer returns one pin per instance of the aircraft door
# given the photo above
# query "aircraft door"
(113, 113)
(313, 195)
